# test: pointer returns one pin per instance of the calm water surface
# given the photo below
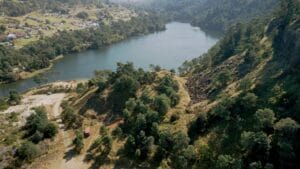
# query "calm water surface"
(169, 49)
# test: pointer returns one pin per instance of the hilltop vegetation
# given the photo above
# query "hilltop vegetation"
(212, 15)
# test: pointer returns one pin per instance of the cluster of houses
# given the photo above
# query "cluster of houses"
(24, 30)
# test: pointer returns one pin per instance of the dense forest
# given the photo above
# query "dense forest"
(213, 15)
(38, 55)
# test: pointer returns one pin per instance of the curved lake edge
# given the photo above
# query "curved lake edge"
(168, 49)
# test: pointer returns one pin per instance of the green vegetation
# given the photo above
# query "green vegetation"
(71, 119)
(38, 127)
(243, 113)
(252, 123)
(82, 15)
(19, 7)
(216, 15)
(14, 98)
(37, 55)
(28, 151)
(78, 141)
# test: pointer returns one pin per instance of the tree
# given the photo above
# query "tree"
(256, 144)
(166, 83)
(199, 126)
(28, 151)
(174, 98)
(222, 79)
(106, 143)
(286, 128)
(162, 104)
(78, 141)
(180, 142)
(71, 119)
(265, 118)
(14, 98)
(286, 134)
(140, 123)
(228, 162)
(38, 127)
(50, 130)
(117, 132)
(245, 84)
(129, 147)
(124, 88)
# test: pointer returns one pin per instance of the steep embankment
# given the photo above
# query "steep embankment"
(245, 91)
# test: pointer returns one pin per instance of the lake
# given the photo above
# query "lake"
(168, 49)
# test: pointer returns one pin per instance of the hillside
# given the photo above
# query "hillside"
(246, 92)
(235, 107)
(210, 15)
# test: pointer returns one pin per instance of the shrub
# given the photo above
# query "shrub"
(174, 117)
(81, 88)
(70, 119)
(3, 104)
(162, 104)
(28, 151)
(14, 98)
(117, 132)
(50, 130)
(82, 15)
(38, 126)
(222, 79)
(78, 141)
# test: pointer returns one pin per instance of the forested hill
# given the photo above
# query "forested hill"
(246, 93)
(216, 15)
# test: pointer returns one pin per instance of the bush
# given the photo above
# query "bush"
(175, 98)
(200, 126)
(38, 126)
(81, 88)
(166, 83)
(3, 104)
(70, 119)
(117, 132)
(245, 84)
(82, 15)
(50, 130)
(14, 98)
(265, 118)
(222, 79)
(162, 104)
(27, 151)
(174, 117)
(78, 141)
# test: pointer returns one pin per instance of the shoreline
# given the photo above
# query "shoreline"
(27, 75)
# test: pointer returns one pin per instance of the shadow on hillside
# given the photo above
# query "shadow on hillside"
(70, 154)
